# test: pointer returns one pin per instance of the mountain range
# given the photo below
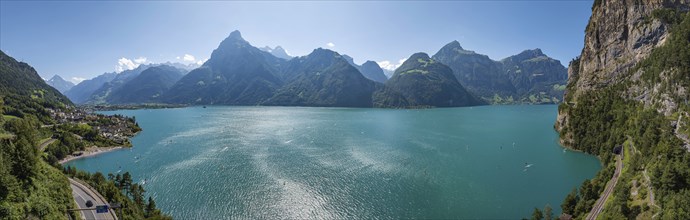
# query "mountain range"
(147, 86)
(238, 73)
(528, 77)
(99, 89)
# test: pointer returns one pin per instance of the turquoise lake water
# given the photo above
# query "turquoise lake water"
(293, 163)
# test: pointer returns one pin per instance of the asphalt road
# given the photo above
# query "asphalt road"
(42, 146)
(81, 194)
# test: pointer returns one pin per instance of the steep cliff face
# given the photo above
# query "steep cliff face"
(629, 90)
(620, 35)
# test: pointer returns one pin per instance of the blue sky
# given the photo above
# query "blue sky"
(82, 39)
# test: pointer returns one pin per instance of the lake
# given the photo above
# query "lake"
(293, 163)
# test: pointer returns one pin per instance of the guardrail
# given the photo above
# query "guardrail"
(87, 188)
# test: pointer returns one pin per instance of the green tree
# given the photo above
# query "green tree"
(570, 202)
(2, 104)
(25, 159)
(548, 212)
(137, 193)
(126, 182)
(150, 208)
(537, 215)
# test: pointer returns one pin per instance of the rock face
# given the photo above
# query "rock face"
(424, 82)
(619, 35)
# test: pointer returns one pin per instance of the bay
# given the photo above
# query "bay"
(222, 162)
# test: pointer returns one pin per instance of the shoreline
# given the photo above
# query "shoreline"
(90, 152)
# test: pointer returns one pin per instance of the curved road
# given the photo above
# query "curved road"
(42, 146)
(82, 193)
(599, 205)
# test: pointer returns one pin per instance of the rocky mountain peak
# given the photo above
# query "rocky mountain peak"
(320, 52)
(235, 35)
(454, 45)
(371, 63)
(532, 53)
(55, 78)
(350, 60)
(417, 56)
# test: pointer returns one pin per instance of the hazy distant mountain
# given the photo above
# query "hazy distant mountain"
(81, 92)
(388, 73)
(424, 82)
(60, 84)
(147, 86)
(187, 67)
(278, 51)
(18, 78)
(96, 90)
(236, 74)
(100, 95)
(370, 69)
(323, 78)
(529, 77)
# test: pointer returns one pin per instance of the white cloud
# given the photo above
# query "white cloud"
(188, 58)
(329, 44)
(388, 65)
(140, 60)
(127, 64)
(201, 62)
(77, 80)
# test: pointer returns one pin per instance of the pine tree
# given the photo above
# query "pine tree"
(126, 182)
(537, 215)
(548, 213)
(137, 193)
(150, 208)
(570, 202)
